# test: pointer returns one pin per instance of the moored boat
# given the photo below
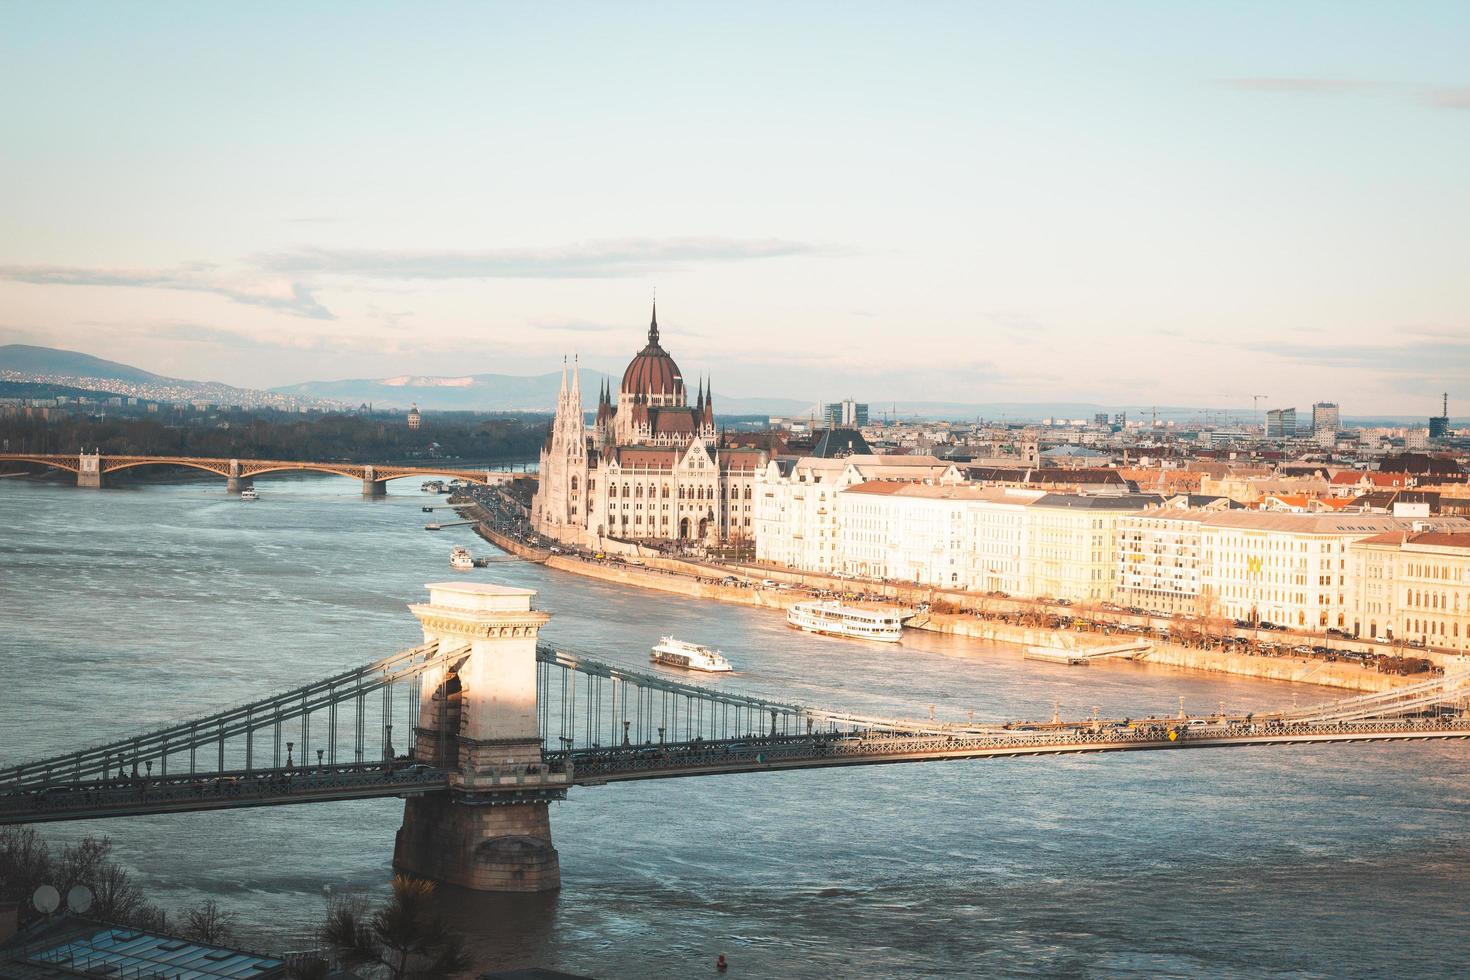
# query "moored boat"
(834, 619)
(690, 656)
(460, 559)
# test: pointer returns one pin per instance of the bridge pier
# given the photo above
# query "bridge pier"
(234, 483)
(492, 830)
(370, 487)
(89, 470)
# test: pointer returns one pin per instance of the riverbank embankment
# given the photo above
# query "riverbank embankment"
(697, 581)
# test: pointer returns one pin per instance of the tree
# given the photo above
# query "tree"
(209, 924)
(406, 937)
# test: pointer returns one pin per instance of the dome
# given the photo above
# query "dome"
(653, 372)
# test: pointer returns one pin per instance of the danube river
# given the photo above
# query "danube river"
(124, 608)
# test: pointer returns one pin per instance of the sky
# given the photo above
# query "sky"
(1125, 203)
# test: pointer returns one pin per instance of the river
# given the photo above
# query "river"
(123, 608)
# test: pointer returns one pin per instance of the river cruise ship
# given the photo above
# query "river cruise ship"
(835, 619)
(460, 559)
(690, 656)
(249, 493)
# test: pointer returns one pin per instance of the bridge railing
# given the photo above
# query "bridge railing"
(215, 731)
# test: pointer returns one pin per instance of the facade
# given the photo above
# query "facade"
(414, 418)
(938, 535)
(1009, 539)
(1325, 417)
(1158, 556)
(650, 469)
(1070, 542)
(1289, 569)
(846, 414)
(1413, 586)
(795, 517)
(1281, 423)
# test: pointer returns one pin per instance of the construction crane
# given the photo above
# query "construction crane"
(1256, 401)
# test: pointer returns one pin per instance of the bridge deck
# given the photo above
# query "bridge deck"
(599, 766)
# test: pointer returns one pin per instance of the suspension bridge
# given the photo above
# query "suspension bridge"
(495, 725)
(91, 469)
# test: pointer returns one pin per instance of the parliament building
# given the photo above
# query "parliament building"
(650, 469)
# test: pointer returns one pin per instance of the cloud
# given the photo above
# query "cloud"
(1442, 97)
(608, 259)
(578, 326)
(292, 297)
(1449, 359)
(285, 281)
(1300, 85)
(1448, 98)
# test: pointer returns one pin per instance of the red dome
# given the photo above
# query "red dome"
(653, 371)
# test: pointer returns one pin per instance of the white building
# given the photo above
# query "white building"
(1413, 586)
(1019, 541)
(1158, 556)
(1290, 569)
(795, 516)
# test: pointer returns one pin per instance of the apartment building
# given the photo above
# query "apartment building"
(1158, 553)
(795, 512)
(1413, 586)
(1016, 540)
(951, 536)
(1289, 569)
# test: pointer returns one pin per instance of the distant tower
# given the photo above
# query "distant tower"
(1439, 425)
(413, 417)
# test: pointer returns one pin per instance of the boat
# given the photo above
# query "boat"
(460, 560)
(690, 656)
(834, 619)
(249, 494)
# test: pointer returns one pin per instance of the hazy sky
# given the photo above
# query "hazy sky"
(1172, 202)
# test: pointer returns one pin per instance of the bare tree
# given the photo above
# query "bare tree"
(405, 937)
(208, 923)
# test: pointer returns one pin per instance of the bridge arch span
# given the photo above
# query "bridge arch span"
(352, 473)
(207, 467)
(70, 465)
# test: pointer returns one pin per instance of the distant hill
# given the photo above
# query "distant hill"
(26, 359)
(40, 389)
(498, 393)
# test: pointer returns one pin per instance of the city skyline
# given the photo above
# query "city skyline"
(1115, 206)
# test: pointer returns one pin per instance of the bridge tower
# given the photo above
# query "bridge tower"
(492, 830)
(372, 487)
(89, 470)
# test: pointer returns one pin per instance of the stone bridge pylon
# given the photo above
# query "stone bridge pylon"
(478, 718)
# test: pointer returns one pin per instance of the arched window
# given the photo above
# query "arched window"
(638, 490)
(665, 493)
(747, 493)
(574, 482)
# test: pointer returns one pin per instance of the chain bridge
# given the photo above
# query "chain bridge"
(495, 725)
(91, 469)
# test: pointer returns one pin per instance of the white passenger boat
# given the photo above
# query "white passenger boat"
(460, 559)
(249, 494)
(690, 656)
(835, 619)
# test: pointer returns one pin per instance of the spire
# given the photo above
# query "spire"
(653, 325)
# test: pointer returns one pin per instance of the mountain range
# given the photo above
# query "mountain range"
(533, 393)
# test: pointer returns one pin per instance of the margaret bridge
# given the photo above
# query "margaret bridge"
(493, 725)
(92, 469)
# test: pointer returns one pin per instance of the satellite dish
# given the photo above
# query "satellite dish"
(46, 899)
(79, 899)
